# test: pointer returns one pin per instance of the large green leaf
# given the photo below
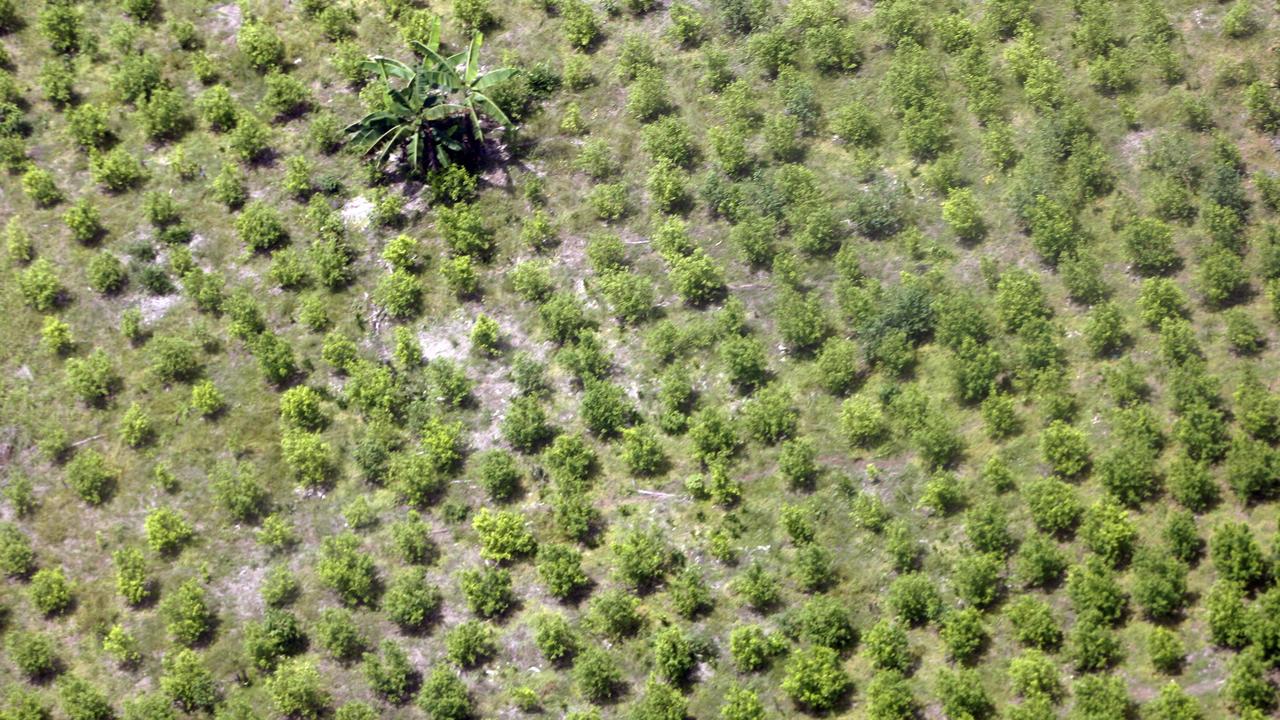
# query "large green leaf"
(473, 58)
(493, 77)
(438, 99)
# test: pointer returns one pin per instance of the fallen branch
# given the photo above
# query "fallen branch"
(659, 494)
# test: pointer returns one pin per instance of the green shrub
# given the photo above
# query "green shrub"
(815, 679)
(297, 690)
(597, 675)
(117, 170)
(962, 694)
(1166, 650)
(55, 337)
(131, 576)
(648, 96)
(165, 114)
(261, 227)
(1040, 563)
(187, 683)
(136, 76)
(336, 632)
(92, 477)
(1032, 675)
(1093, 590)
(1092, 646)
(1236, 554)
(229, 186)
(403, 253)
(39, 186)
(81, 700)
(167, 532)
(642, 557)
(470, 643)
(674, 654)
(1221, 277)
(1174, 703)
(889, 697)
(609, 201)
(85, 223)
(250, 139)
(821, 621)
(187, 614)
(343, 568)
(35, 655)
(560, 569)
(1099, 697)
(605, 408)
(123, 646)
(581, 26)
(286, 96)
(488, 591)
(960, 211)
(525, 424)
(1109, 531)
(753, 649)
(885, 646)
(1065, 448)
(207, 399)
(1034, 624)
(1149, 244)
(977, 578)
(260, 44)
(503, 535)
(50, 591)
(1020, 299)
(444, 696)
(300, 408)
(914, 599)
(390, 673)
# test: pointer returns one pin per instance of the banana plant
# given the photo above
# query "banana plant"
(432, 109)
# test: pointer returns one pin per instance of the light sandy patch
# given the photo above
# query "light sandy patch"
(226, 19)
(155, 307)
(450, 339)
(357, 211)
(242, 592)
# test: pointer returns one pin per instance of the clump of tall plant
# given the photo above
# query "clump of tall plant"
(433, 113)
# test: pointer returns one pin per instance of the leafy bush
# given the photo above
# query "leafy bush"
(260, 44)
(390, 673)
(39, 186)
(815, 679)
(261, 227)
(753, 649)
(297, 690)
(167, 532)
(50, 591)
(1236, 554)
(92, 477)
(1226, 614)
(117, 170)
(914, 598)
(346, 570)
(187, 682)
(1033, 675)
(35, 655)
(822, 621)
(1054, 505)
(488, 592)
(187, 614)
(470, 644)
